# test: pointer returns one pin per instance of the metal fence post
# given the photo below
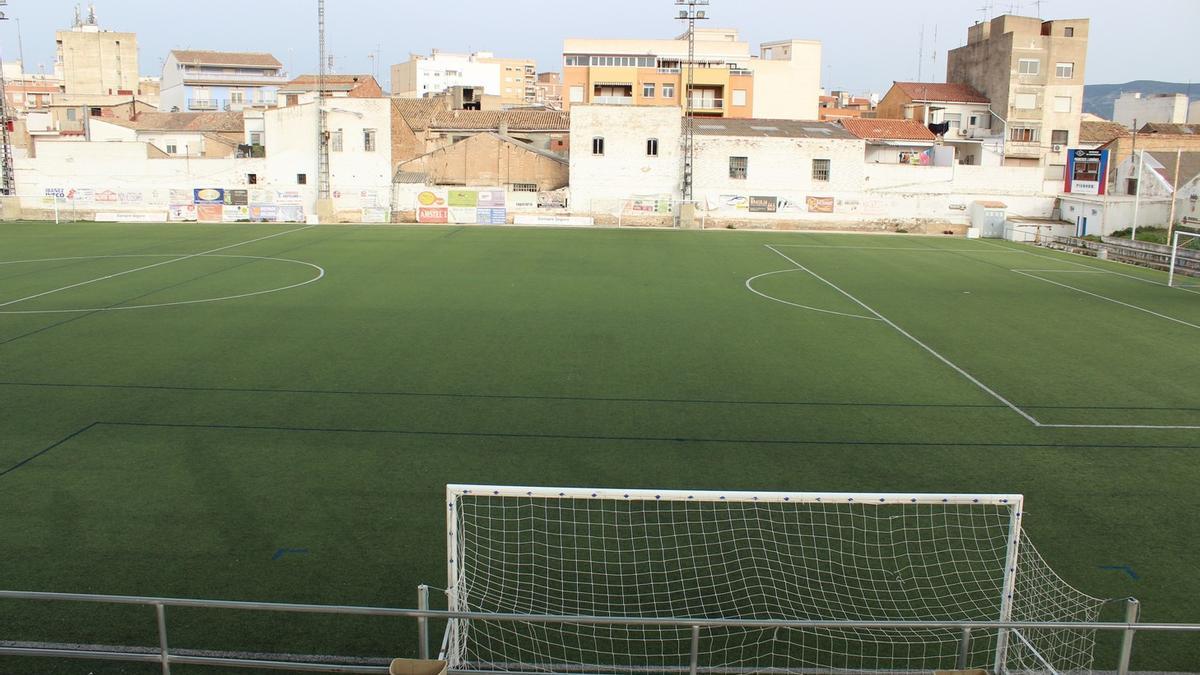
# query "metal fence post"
(964, 649)
(161, 614)
(695, 665)
(423, 623)
(1132, 610)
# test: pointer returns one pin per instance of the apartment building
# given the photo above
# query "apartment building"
(1134, 109)
(959, 113)
(95, 62)
(1032, 71)
(549, 90)
(514, 81)
(208, 81)
(28, 91)
(781, 82)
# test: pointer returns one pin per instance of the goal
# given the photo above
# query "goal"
(1185, 260)
(637, 555)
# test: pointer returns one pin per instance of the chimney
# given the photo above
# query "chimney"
(503, 130)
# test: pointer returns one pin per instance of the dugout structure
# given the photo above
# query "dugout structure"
(630, 555)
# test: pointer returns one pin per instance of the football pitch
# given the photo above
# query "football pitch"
(271, 412)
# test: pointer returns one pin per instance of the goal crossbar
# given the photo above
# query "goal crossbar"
(894, 498)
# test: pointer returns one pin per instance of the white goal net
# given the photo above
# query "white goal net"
(1185, 260)
(750, 556)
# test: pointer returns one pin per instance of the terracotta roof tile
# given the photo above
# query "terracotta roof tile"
(418, 112)
(246, 59)
(888, 130)
(1101, 132)
(489, 120)
(943, 92)
(1177, 129)
(220, 122)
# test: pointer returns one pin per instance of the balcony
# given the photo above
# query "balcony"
(215, 104)
(194, 77)
(203, 104)
(612, 100)
(704, 104)
(1023, 149)
(669, 71)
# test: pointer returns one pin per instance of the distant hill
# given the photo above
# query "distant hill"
(1099, 99)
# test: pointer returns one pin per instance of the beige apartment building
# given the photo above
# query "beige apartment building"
(1032, 71)
(782, 82)
(514, 81)
(91, 61)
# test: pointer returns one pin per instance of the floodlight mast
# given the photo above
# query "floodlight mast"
(9, 186)
(690, 11)
(323, 187)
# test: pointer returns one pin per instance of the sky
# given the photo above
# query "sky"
(868, 44)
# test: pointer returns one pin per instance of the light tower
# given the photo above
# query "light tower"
(9, 186)
(324, 191)
(690, 11)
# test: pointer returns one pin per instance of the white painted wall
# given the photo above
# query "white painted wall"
(186, 143)
(778, 165)
(291, 134)
(601, 183)
(1169, 109)
(437, 73)
(1194, 113)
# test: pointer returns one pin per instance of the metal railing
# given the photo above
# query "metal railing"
(613, 100)
(708, 104)
(166, 657)
(234, 78)
(204, 104)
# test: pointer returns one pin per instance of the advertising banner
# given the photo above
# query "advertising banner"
(464, 198)
(764, 204)
(209, 196)
(289, 213)
(438, 215)
(430, 199)
(820, 204)
(258, 197)
(237, 197)
(375, 215)
(1087, 172)
(210, 213)
(491, 199)
(182, 213)
(491, 216)
(263, 214)
(181, 197)
(462, 215)
(523, 201)
(236, 214)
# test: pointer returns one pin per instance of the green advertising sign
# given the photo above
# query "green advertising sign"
(464, 198)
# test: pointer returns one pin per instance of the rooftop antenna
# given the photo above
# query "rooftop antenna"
(921, 55)
(91, 21)
(78, 17)
(690, 11)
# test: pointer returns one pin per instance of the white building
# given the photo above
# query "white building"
(1135, 109)
(622, 153)
(207, 81)
(434, 74)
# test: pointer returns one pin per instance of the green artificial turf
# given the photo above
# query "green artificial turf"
(175, 450)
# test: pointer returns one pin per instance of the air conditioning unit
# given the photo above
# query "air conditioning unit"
(963, 133)
(1058, 148)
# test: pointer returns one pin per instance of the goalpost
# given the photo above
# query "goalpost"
(1185, 263)
(639, 554)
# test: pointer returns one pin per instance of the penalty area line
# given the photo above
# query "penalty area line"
(147, 267)
(971, 378)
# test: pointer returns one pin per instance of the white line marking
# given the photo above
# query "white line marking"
(750, 285)
(1108, 299)
(1093, 267)
(896, 248)
(320, 275)
(139, 269)
(1063, 271)
(1030, 418)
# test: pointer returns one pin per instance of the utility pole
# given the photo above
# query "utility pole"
(9, 186)
(323, 186)
(690, 11)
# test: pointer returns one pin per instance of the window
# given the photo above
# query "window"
(70, 114)
(821, 170)
(955, 120)
(739, 97)
(237, 97)
(577, 60)
(648, 90)
(576, 94)
(256, 138)
(252, 179)
(1030, 67)
(974, 122)
(369, 140)
(598, 146)
(1062, 104)
(1131, 186)
(652, 147)
(336, 141)
(95, 112)
(1069, 31)
(669, 90)
(301, 179)
(1025, 102)
(172, 149)
(739, 167)
(524, 187)
(1023, 135)
(1060, 137)
(1065, 71)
